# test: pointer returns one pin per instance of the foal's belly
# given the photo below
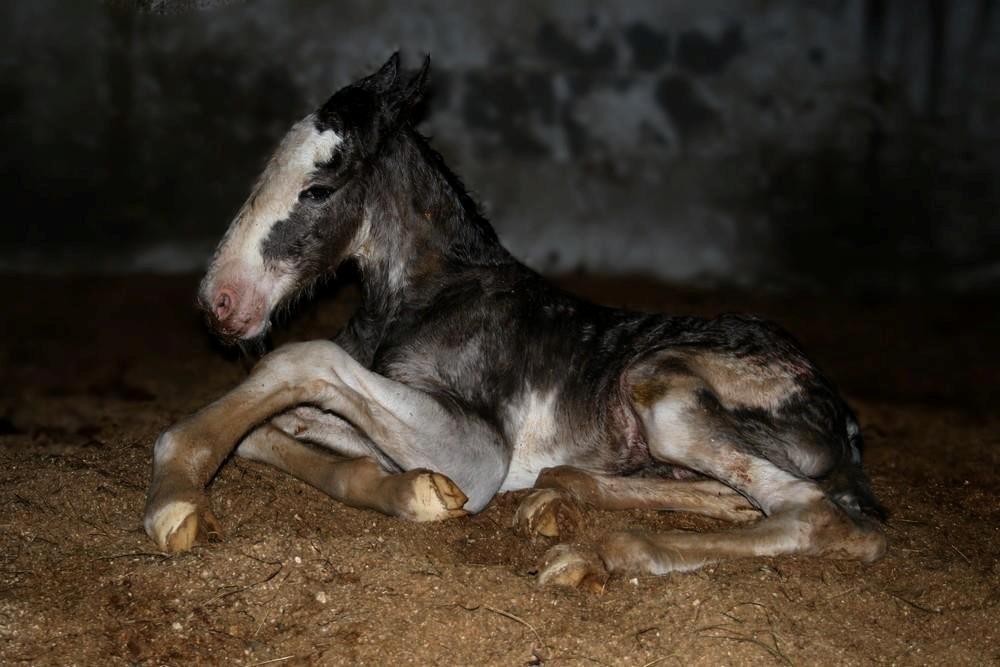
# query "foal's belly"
(537, 438)
(526, 464)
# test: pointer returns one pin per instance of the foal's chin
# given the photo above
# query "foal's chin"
(251, 341)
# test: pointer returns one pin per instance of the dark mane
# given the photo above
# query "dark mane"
(455, 189)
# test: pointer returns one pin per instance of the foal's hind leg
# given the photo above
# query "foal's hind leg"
(800, 518)
(416, 495)
(805, 523)
(818, 528)
(409, 427)
(552, 507)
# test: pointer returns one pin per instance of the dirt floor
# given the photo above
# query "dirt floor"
(92, 369)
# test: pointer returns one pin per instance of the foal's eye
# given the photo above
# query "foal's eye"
(317, 193)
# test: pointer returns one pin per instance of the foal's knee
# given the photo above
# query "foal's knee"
(298, 356)
(172, 445)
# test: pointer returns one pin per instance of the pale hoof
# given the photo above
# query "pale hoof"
(548, 513)
(572, 566)
(431, 497)
(178, 525)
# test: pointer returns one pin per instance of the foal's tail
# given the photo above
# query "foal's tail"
(847, 485)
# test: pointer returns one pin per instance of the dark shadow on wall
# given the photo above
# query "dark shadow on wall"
(119, 174)
(831, 231)
(624, 120)
(895, 208)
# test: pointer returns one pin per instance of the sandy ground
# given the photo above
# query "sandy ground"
(92, 369)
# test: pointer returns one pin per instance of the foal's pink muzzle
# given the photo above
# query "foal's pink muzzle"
(233, 310)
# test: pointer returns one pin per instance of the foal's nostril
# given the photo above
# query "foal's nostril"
(223, 306)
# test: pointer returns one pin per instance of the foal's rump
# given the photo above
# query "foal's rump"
(736, 399)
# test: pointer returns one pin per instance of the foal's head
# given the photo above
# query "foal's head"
(309, 209)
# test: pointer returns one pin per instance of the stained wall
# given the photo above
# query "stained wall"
(823, 144)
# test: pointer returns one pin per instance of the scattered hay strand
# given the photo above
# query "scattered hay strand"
(918, 607)
(516, 619)
(137, 554)
(239, 589)
(507, 615)
(966, 558)
(775, 650)
(273, 660)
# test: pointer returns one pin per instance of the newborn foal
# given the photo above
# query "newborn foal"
(462, 361)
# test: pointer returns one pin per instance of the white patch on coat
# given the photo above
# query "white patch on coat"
(673, 438)
(533, 430)
(811, 461)
(368, 250)
(773, 489)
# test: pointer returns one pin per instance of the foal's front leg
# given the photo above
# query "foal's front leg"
(187, 455)
(415, 495)
(411, 428)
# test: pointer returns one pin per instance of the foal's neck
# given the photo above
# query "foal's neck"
(423, 229)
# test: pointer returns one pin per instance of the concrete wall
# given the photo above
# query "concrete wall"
(825, 143)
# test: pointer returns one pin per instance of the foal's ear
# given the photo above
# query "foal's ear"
(413, 90)
(406, 95)
(384, 79)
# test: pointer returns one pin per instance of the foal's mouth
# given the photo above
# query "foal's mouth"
(231, 337)
(232, 327)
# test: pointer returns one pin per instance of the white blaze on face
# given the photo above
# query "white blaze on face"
(238, 264)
